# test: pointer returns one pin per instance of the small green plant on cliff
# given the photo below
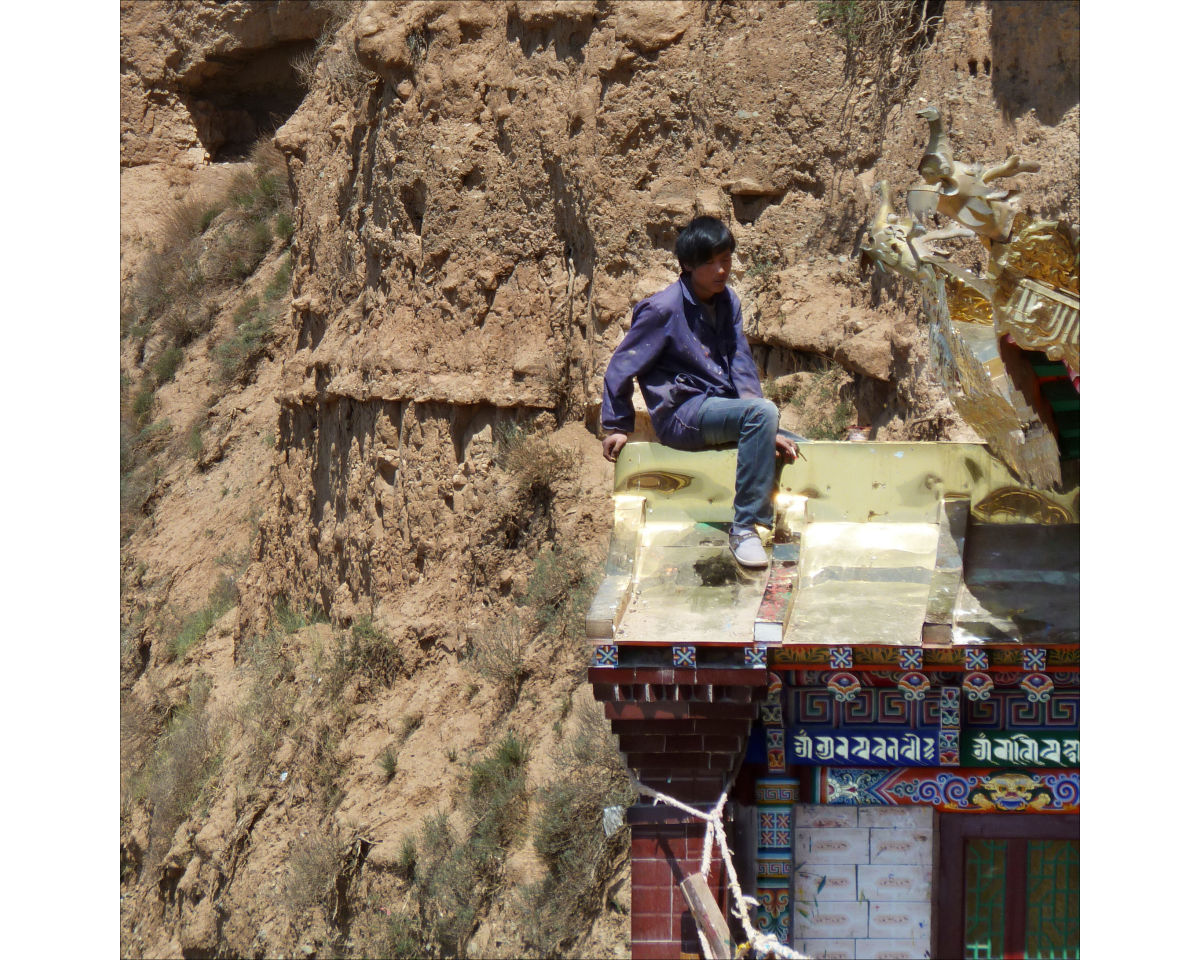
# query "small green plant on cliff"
(291, 618)
(825, 414)
(221, 599)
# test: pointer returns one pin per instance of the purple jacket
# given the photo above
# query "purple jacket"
(679, 361)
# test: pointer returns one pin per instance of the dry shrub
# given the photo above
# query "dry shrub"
(334, 58)
(187, 757)
(536, 463)
(559, 591)
(453, 877)
(883, 42)
(506, 657)
(269, 709)
(364, 651)
(569, 835)
(313, 868)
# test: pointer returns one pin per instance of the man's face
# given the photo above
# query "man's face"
(709, 278)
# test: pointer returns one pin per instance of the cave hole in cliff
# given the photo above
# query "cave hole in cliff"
(236, 98)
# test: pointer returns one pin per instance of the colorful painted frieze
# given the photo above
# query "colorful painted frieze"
(869, 706)
(1009, 709)
(967, 790)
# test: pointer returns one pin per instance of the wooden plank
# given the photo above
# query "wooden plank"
(710, 921)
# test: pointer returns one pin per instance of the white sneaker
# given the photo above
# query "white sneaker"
(747, 549)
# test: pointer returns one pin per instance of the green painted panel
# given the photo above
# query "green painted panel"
(984, 925)
(1018, 748)
(1052, 900)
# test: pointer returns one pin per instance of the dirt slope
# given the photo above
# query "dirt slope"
(340, 498)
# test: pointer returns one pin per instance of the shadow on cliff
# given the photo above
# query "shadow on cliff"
(1036, 62)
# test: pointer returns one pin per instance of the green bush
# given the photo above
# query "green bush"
(452, 877)
(285, 226)
(290, 619)
(167, 363)
(281, 282)
(142, 404)
(388, 761)
(195, 438)
(237, 355)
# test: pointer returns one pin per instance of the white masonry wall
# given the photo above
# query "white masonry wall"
(877, 868)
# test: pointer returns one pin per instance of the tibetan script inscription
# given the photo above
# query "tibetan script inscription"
(834, 746)
(1059, 749)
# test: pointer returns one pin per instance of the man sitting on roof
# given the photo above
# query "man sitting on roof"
(687, 350)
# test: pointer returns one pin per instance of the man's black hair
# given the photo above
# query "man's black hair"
(701, 240)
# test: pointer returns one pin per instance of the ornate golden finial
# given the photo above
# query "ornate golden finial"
(1028, 296)
(962, 191)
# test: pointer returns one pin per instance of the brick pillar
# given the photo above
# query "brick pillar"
(667, 846)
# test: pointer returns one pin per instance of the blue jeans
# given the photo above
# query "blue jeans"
(752, 423)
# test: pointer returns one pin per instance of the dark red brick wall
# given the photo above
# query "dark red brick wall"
(667, 846)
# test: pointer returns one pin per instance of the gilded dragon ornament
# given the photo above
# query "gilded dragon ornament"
(1027, 298)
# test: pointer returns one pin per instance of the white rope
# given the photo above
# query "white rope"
(761, 944)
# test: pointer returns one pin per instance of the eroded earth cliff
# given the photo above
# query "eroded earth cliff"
(362, 495)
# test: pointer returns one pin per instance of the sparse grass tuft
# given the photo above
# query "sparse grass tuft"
(183, 764)
(221, 599)
(290, 619)
(452, 876)
(167, 363)
(237, 355)
(141, 405)
(195, 438)
(825, 413)
(409, 723)
(388, 761)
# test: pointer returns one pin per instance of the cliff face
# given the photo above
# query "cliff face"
(481, 205)
(481, 193)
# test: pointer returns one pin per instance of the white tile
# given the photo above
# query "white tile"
(900, 818)
(831, 921)
(826, 949)
(819, 815)
(901, 846)
(840, 882)
(835, 845)
(891, 949)
(898, 920)
(894, 881)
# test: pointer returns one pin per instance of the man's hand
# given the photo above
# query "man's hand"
(785, 447)
(613, 444)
